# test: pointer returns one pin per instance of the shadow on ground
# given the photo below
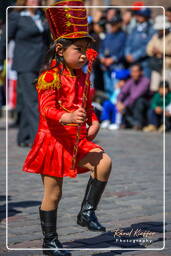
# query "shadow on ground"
(12, 211)
(138, 235)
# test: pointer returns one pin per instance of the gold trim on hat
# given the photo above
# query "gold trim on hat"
(84, 34)
(69, 1)
(68, 15)
(69, 23)
(73, 9)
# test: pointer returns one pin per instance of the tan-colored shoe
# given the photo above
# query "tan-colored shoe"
(150, 128)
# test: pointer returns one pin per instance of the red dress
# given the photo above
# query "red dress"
(51, 154)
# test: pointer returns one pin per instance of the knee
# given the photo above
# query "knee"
(108, 162)
(56, 196)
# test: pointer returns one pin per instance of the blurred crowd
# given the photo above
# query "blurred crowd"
(131, 78)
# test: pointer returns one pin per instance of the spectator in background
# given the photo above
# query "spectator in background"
(133, 99)
(2, 77)
(99, 34)
(30, 32)
(112, 52)
(111, 13)
(168, 15)
(135, 50)
(2, 88)
(110, 116)
(155, 113)
(129, 21)
(155, 50)
(99, 29)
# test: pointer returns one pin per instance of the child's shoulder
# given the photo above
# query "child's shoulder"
(48, 79)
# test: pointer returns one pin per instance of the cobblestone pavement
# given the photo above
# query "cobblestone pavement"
(133, 200)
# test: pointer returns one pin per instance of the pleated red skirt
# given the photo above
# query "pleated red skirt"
(51, 153)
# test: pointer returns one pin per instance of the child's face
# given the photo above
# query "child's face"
(120, 84)
(162, 91)
(75, 55)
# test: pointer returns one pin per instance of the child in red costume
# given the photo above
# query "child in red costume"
(60, 94)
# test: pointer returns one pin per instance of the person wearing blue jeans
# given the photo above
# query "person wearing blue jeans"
(109, 111)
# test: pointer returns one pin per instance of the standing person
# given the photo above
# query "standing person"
(129, 21)
(112, 53)
(60, 93)
(99, 34)
(135, 49)
(30, 31)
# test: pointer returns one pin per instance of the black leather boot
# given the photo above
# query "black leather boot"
(48, 224)
(86, 216)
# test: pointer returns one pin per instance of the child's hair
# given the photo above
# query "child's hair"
(52, 54)
(164, 84)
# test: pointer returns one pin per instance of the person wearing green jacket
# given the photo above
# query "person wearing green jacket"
(158, 107)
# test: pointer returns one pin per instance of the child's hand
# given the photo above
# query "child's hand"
(93, 130)
(120, 106)
(78, 117)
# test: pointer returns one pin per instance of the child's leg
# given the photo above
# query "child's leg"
(52, 192)
(99, 163)
(153, 118)
(48, 216)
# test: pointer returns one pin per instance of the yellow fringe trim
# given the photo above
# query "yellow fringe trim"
(44, 85)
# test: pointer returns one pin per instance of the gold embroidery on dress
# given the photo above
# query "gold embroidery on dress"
(43, 84)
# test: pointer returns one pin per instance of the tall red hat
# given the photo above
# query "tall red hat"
(69, 21)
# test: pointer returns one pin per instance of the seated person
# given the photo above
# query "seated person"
(155, 113)
(133, 100)
(110, 116)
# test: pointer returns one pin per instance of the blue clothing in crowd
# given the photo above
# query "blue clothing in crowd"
(136, 45)
(113, 47)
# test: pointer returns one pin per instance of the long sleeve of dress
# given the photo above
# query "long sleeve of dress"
(48, 105)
